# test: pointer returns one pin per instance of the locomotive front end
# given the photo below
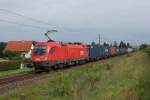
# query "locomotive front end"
(40, 57)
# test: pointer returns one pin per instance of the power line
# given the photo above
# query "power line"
(35, 20)
(26, 25)
(27, 17)
(38, 21)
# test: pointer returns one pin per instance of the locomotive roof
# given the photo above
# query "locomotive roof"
(57, 44)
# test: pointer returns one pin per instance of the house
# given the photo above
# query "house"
(23, 47)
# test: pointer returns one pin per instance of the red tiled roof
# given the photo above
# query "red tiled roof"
(18, 46)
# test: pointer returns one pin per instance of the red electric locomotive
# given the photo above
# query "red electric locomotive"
(51, 54)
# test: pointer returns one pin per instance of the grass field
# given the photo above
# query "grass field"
(14, 72)
(119, 78)
(11, 67)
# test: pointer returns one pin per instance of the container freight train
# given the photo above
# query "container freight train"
(51, 54)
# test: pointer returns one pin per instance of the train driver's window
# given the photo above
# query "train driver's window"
(52, 50)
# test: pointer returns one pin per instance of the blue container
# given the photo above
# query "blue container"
(95, 53)
(126, 50)
(117, 51)
(105, 52)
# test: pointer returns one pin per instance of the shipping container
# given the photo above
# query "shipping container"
(122, 50)
(117, 51)
(130, 50)
(105, 52)
(95, 53)
(112, 51)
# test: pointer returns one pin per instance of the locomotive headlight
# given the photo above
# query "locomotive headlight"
(45, 58)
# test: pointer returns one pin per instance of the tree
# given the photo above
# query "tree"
(34, 42)
(122, 45)
(2, 46)
(105, 44)
(12, 55)
(93, 44)
(143, 46)
(111, 45)
(115, 44)
(128, 45)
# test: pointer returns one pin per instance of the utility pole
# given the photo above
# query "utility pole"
(99, 39)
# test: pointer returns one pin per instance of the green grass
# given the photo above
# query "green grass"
(147, 50)
(14, 72)
(10, 65)
(120, 78)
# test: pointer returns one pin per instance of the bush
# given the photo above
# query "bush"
(148, 50)
(10, 65)
(2, 46)
(144, 86)
(12, 55)
(143, 46)
(144, 82)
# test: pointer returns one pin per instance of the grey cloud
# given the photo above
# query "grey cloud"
(79, 20)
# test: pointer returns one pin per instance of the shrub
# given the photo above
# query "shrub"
(148, 50)
(144, 86)
(12, 55)
(2, 46)
(144, 82)
(10, 65)
(143, 46)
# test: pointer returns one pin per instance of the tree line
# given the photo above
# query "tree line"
(115, 44)
(2, 47)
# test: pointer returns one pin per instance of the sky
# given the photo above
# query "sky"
(76, 20)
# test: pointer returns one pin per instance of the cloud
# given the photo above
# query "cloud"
(80, 20)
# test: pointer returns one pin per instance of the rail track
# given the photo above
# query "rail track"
(16, 78)
(10, 83)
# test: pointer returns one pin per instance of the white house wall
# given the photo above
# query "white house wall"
(28, 54)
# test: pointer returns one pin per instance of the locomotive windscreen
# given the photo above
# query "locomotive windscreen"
(40, 50)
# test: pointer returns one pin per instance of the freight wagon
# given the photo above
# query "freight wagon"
(112, 51)
(122, 50)
(95, 53)
(105, 52)
(129, 50)
(117, 51)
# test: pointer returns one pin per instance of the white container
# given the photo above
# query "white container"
(130, 50)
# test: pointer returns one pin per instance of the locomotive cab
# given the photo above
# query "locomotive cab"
(39, 53)
(40, 57)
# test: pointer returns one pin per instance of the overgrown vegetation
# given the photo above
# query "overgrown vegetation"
(143, 46)
(12, 55)
(120, 78)
(14, 72)
(2, 46)
(147, 50)
(10, 65)
(144, 83)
